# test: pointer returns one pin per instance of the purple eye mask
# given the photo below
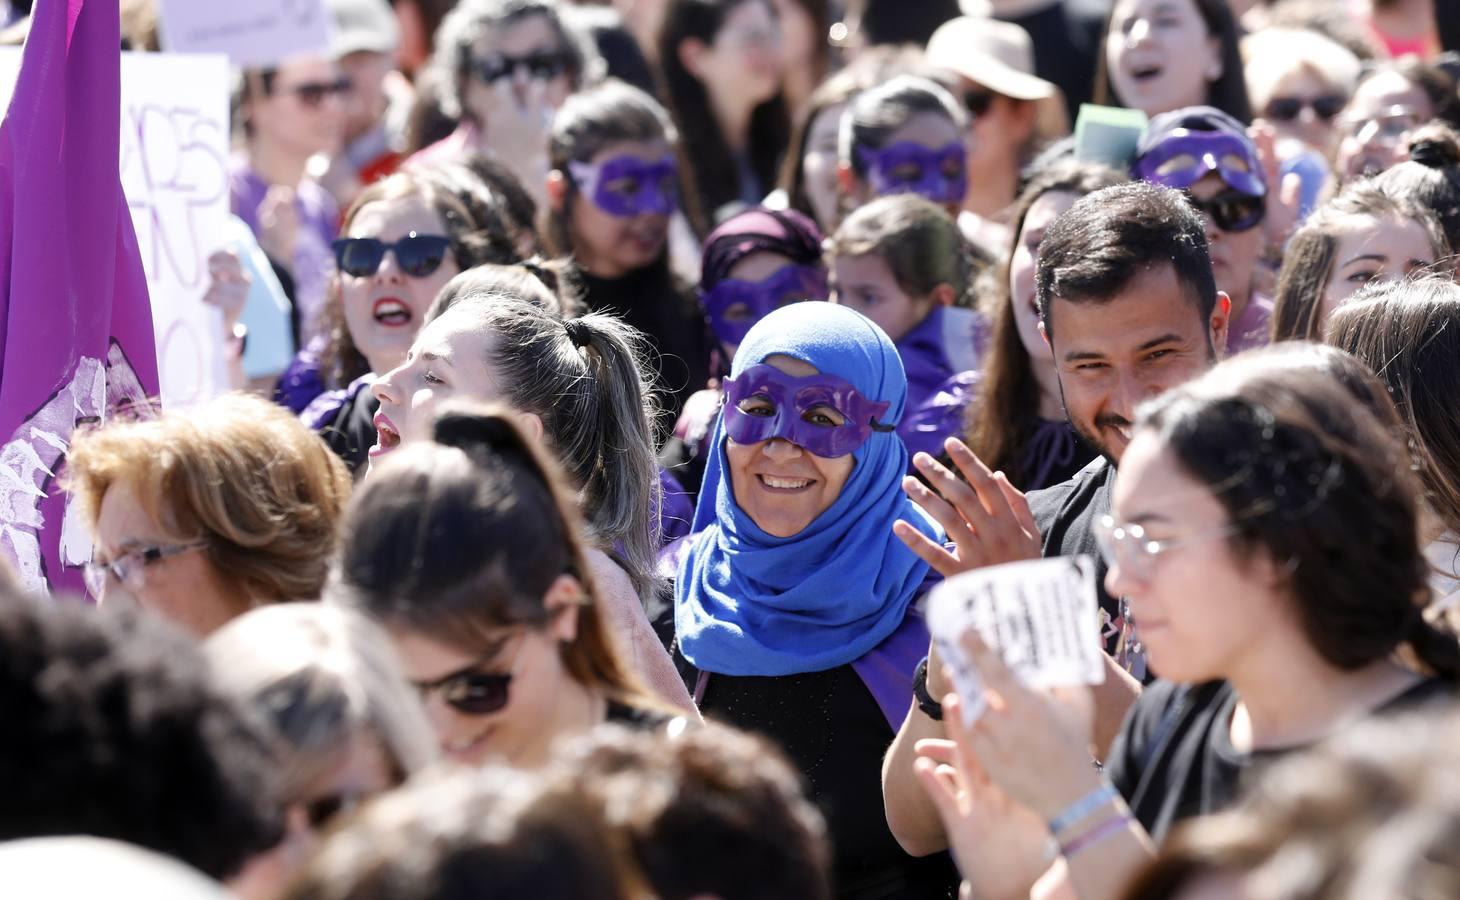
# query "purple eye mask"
(887, 170)
(1210, 152)
(759, 298)
(794, 410)
(627, 186)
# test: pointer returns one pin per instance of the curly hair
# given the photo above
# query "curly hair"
(114, 729)
(239, 472)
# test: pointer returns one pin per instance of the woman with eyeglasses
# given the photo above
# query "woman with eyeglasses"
(289, 115)
(721, 65)
(502, 67)
(402, 239)
(1362, 236)
(613, 203)
(794, 613)
(347, 725)
(202, 514)
(464, 545)
(1264, 531)
(1392, 99)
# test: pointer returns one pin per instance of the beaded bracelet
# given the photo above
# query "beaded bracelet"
(1100, 832)
(1083, 808)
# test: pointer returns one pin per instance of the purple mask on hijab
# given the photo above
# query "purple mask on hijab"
(1187, 156)
(733, 306)
(627, 186)
(795, 410)
(907, 168)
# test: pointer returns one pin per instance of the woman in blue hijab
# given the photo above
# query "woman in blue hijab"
(794, 605)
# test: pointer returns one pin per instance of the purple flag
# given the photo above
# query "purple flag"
(76, 342)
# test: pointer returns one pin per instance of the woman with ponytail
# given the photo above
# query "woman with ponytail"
(1431, 176)
(465, 547)
(577, 385)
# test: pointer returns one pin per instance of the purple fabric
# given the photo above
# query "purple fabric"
(627, 186)
(939, 175)
(784, 232)
(323, 410)
(76, 339)
(1251, 329)
(1210, 151)
(793, 408)
(887, 670)
(303, 381)
(676, 509)
(313, 261)
(756, 299)
(940, 357)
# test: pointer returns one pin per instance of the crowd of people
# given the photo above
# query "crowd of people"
(655, 359)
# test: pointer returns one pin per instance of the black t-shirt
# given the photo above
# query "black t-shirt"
(1066, 515)
(1174, 758)
(1066, 38)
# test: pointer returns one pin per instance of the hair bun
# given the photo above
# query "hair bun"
(477, 431)
(1436, 151)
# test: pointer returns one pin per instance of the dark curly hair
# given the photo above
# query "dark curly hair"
(113, 729)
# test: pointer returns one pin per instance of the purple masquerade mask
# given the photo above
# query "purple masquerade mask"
(1187, 156)
(763, 403)
(906, 168)
(627, 186)
(733, 306)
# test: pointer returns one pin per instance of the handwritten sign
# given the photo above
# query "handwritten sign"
(251, 33)
(1042, 617)
(174, 167)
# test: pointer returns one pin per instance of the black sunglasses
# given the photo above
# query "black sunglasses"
(1286, 109)
(417, 255)
(313, 93)
(542, 66)
(978, 102)
(472, 692)
(1232, 212)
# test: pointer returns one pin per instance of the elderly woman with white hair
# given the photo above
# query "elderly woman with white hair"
(1299, 82)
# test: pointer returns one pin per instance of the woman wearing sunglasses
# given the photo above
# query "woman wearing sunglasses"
(1264, 531)
(290, 114)
(793, 613)
(403, 238)
(1299, 82)
(613, 199)
(1362, 236)
(203, 514)
(465, 547)
(1208, 155)
(502, 68)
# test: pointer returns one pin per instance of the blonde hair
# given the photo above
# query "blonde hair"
(324, 676)
(239, 473)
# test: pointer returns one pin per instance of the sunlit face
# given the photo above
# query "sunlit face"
(818, 165)
(866, 284)
(1374, 127)
(530, 36)
(519, 733)
(1159, 55)
(1113, 355)
(1198, 608)
(183, 587)
(931, 130)
(302, 112)
(1308, 86)
(1373, 250)
(781, 487)
(609, 246)
(1234, 253)
(384, 311)
(1025, 263)
(745, 58)
(449, 360)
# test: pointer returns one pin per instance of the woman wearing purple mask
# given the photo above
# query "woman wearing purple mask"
(757, 261)
(904, 137)
(794, 612)
(612, 199)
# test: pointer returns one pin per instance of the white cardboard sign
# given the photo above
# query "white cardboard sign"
(251, 33)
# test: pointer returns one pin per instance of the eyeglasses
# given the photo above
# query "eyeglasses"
(1286, 109)
(417, 255)
(313, 93)
(1232, 211)
(472, 692)
(978, 102)
(1126, 545)
(127, 569)
(1390, 125)
(541, 66)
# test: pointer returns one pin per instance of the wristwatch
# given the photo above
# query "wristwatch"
(930, 707)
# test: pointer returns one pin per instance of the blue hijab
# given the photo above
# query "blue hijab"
(749, 603)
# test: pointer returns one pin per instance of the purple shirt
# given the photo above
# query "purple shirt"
(313, 261)
(1251, 329)
(941, 356)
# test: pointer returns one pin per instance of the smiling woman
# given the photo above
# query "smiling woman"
(794, 612)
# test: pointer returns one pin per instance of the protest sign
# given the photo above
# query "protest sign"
(251, 33)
